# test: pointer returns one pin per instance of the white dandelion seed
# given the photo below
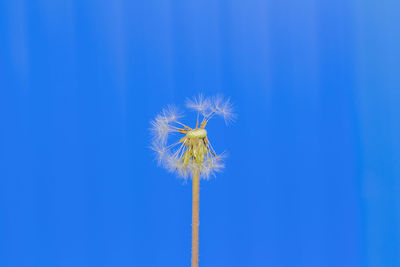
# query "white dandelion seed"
(161, 125)
(199, 103)
(224, 108)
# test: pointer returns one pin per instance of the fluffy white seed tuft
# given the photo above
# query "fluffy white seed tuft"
(161, 125)
(200, 103)
(223, 107)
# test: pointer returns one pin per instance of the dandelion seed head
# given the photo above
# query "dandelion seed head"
(193, 152)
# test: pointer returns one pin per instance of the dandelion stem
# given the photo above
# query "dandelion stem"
(195, 218)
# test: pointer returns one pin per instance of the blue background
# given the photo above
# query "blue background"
(312, 176)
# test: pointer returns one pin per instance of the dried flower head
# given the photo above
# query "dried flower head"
(193, 152)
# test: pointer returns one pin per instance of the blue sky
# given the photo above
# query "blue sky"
(312, 173)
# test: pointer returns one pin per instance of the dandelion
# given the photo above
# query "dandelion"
(192, 154)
